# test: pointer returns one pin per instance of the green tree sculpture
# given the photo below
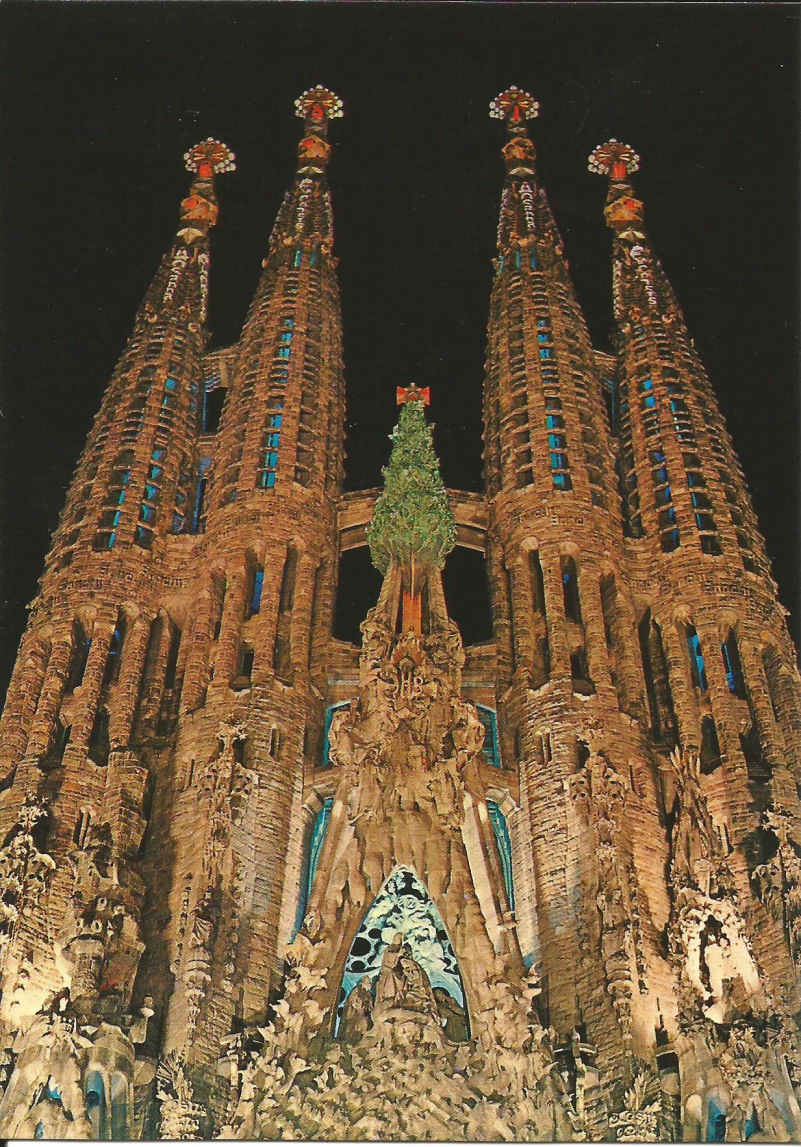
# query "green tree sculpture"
(412, 520)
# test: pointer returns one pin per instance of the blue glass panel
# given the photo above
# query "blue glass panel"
(648, 400)
(751, 1125)
(170, 384)
(557, 441)
(314, 258)
(286, 337)
(151, 492)
(544, 337)
(532, 261)
(155, 472)
(270, 460)
(258, 585)
(715, 1124)
(147, 513)
(697, 661)
(554, 421)
(298, 258)
(656, 456)
(660, 475)
(168, 400)
(158, 454)
(546, 352)
(287, 322)
(111, 540)
(561, 481)
(646, 384)
(272, 440)
(558, 461)
(319, 830)
(284, 352)
(177, 523)
(504, 844)
(274, 420)
(501, 262)
(517, 259)
(491, 747)
(269, 478)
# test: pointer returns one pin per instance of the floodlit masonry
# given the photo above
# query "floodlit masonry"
(258, 882)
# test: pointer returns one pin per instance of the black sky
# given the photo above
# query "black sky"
(101, 101)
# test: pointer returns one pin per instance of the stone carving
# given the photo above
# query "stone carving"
(599, 795)
(391, 1057)
(694, 842)
(45, 1094)
(777, 882)
(180, 1115)
(726, 1008)
(225, 789)
(395, 1074)
(638, 1120)
(24, 869)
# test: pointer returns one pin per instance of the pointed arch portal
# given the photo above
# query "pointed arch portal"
(403, 906)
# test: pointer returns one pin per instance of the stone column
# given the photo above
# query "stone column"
(22, 698)
(756, 685)
(630, 663)
(134, 653)
(521, 608)
(231, 626)
(302, 616)
(550, 560)
(593, 618)
(50, 697)
(682, 689)
(153, 686)
(92, 684)
(196, 674)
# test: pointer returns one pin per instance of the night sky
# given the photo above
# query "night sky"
(101, 100)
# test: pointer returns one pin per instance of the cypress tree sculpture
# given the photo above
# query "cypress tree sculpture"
(412, 523)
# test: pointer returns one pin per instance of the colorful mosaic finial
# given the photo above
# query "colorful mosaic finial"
(515, 106)
(615, 159)
(209, 158)
(412, 393)
(318, 104)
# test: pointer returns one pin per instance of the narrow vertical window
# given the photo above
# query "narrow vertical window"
(570, 590)
(115, 653)
(172, 657)
(537, 584)
(733, 667)
(256, 587)
(697, 666)
(710, 747)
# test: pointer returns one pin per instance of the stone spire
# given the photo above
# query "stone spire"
(182, 278)
(305, 215)
(681, 475)
(285, 408)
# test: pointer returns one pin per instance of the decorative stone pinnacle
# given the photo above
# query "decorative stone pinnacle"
(514, 105)
(211, 157)
(318, 104)
(412, 393)
(615, 159)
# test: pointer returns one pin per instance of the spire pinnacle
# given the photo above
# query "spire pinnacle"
(316, 107)
(199, 209)
(515, 107)
(615, 159)
(623, 211)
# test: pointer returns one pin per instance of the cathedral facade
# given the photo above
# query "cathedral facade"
(257, 882)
